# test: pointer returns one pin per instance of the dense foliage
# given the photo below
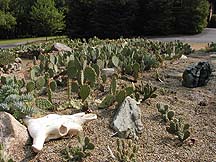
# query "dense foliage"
(192, 16)
(155, 17)
(101, 18)
(24, 18)
(47, 20)
(141, 17)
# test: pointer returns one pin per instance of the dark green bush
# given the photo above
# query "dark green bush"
(104, 19)
(79, 14)
(155, 17)
(212, 23)
(114, 18)
(6, 57)
(191, 17)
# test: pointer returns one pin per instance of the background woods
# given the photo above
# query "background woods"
(110, 18)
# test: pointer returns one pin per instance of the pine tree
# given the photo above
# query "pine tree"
(46, 19)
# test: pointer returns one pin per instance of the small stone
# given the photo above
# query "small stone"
(203, 103)
(18, 60)
(61, 47)
(183, 57)
(108, 71)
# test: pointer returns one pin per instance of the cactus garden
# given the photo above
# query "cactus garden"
(96, 76)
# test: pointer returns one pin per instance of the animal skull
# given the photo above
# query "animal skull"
(54, 126)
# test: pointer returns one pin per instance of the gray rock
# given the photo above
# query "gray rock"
(108, 71)
(196, 75)
(61, 47)
(127, 121)
(13, 136)
(18, 60)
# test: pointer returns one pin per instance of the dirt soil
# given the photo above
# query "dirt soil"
(155, 143)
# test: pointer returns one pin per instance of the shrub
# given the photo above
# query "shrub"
(104, 19)
(114, 18)
(155, 17)
(191, 17)
(6, 57)
(212, 23)
(78, 24)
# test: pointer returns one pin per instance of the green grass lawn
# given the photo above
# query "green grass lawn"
(12, 41)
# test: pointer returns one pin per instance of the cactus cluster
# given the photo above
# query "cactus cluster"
(179, 128)
(145, 91)
(80, 152)
(114, 95)
(176, 126)
(166, 114)
(19, 105)
(43, 103)
(126, 151)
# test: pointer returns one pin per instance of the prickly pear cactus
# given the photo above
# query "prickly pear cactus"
(113, 85)
(107, 101)
(43, 103)
(115, 61)
(53, 85)
(136, 68)
(30, 86)
(167, 114)
(104, 78)
(178, 128)
(96, 68)
(72, 70)
(126, 151)
(40, 82)
(120, 96)
(147, 91)
(90, 76)
(74, 87)
(84, 92)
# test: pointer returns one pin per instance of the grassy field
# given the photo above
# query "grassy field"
(13, 41)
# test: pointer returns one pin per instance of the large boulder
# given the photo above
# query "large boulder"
(196, 75)
(127, 121)
(13, 136)
(61, 47)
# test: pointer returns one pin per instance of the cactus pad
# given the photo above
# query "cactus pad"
(84, 92)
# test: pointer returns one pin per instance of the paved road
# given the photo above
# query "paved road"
(207, 36)
(4, 46)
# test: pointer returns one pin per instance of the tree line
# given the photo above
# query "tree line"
(101, 18)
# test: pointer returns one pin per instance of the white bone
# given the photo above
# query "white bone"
(54, 126)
